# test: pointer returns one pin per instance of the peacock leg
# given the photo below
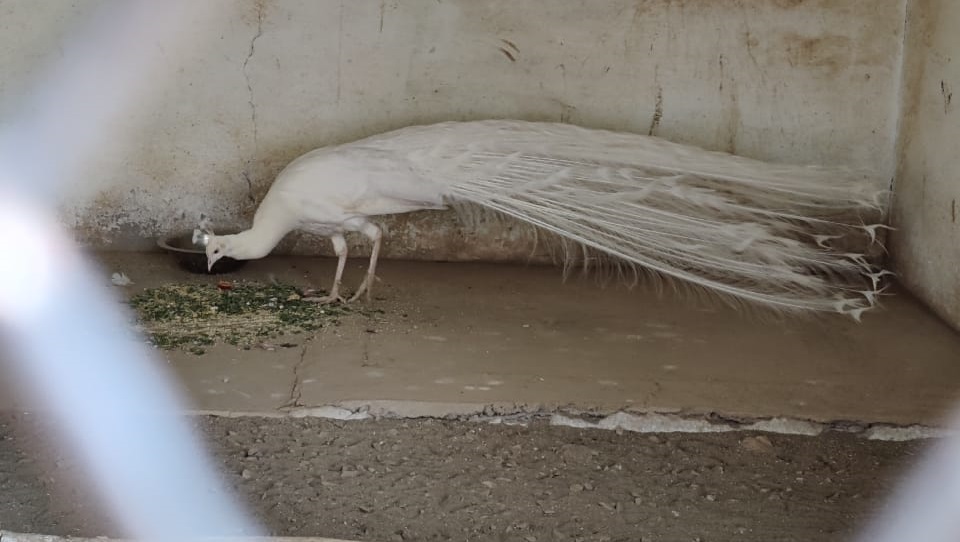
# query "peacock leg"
(373, 232)
(340, 248)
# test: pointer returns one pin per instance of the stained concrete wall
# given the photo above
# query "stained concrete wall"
(926, 244)
(789, 80)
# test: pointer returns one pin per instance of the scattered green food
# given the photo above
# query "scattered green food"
(195, 316)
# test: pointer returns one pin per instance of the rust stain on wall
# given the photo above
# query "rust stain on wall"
(829, 53)
(257, 11)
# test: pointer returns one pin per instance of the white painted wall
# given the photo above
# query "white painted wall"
(926, 245)
(790, 80)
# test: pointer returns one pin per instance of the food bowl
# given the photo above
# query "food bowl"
(192, 257)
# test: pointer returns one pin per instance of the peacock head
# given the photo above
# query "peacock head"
(216, 248)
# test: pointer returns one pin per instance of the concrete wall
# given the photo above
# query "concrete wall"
(926, 245)
(791, 80)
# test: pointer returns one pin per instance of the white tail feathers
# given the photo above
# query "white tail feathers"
(748, 230)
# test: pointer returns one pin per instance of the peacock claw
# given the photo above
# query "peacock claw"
(365, 289)
(325, 300)
(310, 297)
(357, 295)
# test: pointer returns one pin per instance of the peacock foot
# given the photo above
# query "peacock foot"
(325, 300)
(334, 297)
(365, 288)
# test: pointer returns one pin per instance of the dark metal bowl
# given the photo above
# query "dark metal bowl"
(192, 257)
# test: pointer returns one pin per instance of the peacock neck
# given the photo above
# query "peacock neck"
(256, 242)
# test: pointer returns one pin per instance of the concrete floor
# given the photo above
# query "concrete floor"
(494, 339)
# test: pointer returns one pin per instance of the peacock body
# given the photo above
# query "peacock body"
(747, 230)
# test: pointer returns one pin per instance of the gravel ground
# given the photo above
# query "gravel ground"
(396, 480)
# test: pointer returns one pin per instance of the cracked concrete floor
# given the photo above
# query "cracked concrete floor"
(461, 338)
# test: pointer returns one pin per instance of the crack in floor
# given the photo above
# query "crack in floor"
(296, 390)
(365, 338)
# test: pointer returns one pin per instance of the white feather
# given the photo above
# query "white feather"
(748, 230)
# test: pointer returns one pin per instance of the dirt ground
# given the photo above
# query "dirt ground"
(396, 480)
